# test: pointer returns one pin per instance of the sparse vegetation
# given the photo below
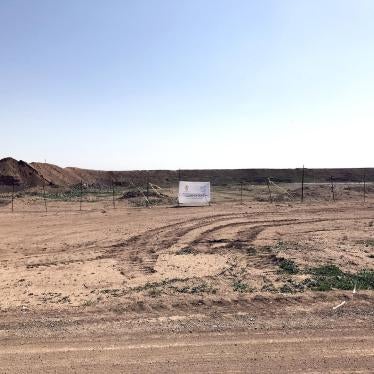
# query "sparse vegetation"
(251, 251)
(240, 286)
(115, 292)
(184, 251)
(367, 242)
(154, 292)
(326, 270)
(150, 285)
(286, 288)
(288, 266)
(202, 287)
(328, 277)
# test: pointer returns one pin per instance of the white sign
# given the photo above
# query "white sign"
(194, 193)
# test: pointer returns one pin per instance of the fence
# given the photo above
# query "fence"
(83, 197)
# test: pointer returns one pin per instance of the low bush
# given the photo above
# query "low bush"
(328, 277)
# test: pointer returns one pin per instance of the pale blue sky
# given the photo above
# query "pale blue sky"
(187, 84)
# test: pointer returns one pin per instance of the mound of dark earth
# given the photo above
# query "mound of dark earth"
(142, 193)
(20, 174)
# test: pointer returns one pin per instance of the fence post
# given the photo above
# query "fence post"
(81, 196)
(332, 189)
(114, 202)
(147, 202)
(302, 185)
(269, 190)
(210, 182)
(44, 198)
(364, 186)
(179, 179)
(13, 198)
(241, 192)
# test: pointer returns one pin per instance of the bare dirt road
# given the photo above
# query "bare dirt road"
(307, 351)
(226, 288)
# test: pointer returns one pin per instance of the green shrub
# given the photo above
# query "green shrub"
(326, 270)
(332, 277)
(184, 251)
(288, 266)
(240, 286)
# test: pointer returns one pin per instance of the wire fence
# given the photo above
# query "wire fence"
(83, 197)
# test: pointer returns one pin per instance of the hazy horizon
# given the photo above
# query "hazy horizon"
(121, 170)
(189, 84)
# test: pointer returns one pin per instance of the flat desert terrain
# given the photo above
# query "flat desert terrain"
(252, 287)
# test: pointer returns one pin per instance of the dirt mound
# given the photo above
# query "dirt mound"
(139, 197)
(19, 173)
(139, 193)
(71, 176)
(59, 176)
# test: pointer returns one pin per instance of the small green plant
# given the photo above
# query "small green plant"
(251, 251)
(240, 286)
(286, 288)
(202, 287)
(326, 270)
(151, 285)
(288, 266)
(184, 251)
(365, 279)
(328, 277)
(154, 292)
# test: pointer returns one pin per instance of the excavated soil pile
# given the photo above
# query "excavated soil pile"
(140, 197)
(19, 173)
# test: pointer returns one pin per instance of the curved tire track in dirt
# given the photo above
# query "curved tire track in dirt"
(142, 251)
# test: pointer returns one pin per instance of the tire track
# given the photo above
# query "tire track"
(142, 251)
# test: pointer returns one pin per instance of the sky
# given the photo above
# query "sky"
(169, 84)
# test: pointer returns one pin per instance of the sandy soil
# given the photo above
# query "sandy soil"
(301, 352)
(183, 290)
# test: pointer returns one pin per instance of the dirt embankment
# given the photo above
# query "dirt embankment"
(36, 173)
(20, 174)
(59, 176)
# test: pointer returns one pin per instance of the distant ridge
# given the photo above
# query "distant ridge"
(25, 175)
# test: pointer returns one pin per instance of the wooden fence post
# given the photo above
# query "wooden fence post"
(13, 198)
(332, 188)
(114, 202)
(44, 198)
(147, 202)
(241, 192)
(269, 190)
(81, 196)
(179, 179)
(302, 185)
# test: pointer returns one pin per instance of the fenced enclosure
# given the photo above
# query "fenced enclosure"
(85, 197)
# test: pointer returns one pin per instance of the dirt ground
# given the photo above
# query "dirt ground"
(184, 289)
